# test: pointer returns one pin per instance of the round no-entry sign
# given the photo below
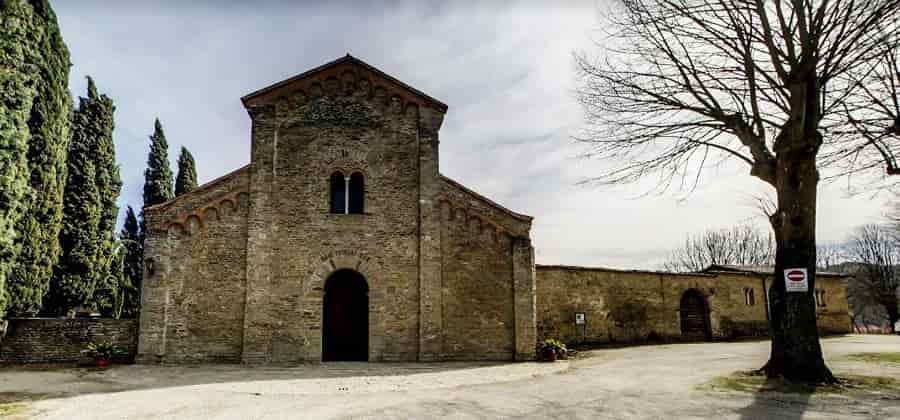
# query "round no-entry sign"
(795, 280)
(796, 275)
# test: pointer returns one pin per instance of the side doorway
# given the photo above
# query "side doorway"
(694, 310)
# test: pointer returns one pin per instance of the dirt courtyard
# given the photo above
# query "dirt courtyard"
(667, 381)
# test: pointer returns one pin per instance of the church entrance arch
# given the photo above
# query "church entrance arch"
(694, 316)
(345, 317)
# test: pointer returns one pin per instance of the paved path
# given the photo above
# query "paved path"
(641, 382)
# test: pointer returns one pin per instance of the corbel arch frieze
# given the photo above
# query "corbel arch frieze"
(476, 224)
(193, 222)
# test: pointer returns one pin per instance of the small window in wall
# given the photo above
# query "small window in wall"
(338, 193)
(749, 298)
(357, 193)
(820, 297)
(347, 193)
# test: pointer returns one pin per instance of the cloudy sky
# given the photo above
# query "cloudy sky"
(505, 70)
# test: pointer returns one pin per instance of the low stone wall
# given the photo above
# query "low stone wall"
(61, 340)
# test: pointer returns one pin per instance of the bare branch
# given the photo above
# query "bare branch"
(678, 76)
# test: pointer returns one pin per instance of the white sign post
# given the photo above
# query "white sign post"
(580, 326)
(796, 280)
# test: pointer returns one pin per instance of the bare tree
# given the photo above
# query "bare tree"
(875, 250)
(830, 255)
(871, 117)
(782, 86)
(740, 245)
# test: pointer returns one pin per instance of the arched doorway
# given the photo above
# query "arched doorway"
(694, 316)
(345, 317)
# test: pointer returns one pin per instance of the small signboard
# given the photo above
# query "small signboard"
(796, 280)
(579, 318)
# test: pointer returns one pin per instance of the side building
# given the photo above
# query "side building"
(601, 305)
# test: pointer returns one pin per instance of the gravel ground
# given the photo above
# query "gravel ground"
(630, 383)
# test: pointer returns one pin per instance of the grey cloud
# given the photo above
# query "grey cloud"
(504, 69)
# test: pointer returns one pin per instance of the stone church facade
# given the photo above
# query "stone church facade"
(341, 240)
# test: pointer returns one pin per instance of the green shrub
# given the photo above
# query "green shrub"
(551, 345)
(103, 350)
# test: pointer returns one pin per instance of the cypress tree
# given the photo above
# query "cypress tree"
(133, 268)
(158, 175)
(109, 185)
(16, 99)
(34, 124)
(186, 180)
(111, 289)
(92, 187)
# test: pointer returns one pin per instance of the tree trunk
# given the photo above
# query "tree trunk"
(796, 352)
(890, 305)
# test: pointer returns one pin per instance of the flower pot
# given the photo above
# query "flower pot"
(101, 362)
(551, 356)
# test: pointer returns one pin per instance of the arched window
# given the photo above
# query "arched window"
(338, 193)
(356, 201)
(749, 298)
(347, 193)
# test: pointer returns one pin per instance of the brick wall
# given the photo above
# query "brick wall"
(61, 340)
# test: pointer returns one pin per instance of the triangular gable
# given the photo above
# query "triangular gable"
(336, 69)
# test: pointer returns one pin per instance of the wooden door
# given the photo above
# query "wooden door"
(345, 318)
(694, 316)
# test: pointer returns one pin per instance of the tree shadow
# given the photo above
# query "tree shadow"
(776, 399)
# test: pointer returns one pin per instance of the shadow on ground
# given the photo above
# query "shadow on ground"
(769, 404)
(24, 383)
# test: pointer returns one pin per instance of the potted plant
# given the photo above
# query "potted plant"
(102, 352)
(551, 349)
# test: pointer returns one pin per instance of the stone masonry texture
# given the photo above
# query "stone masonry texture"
(563, 291)
(235, 270)
(61, 340)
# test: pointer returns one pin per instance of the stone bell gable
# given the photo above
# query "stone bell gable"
(343, 186)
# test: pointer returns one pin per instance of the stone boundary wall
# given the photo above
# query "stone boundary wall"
(61, 340)
(601, 294)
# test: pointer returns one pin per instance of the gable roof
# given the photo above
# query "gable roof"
(197, 190)
(490, 203)
(347, 59)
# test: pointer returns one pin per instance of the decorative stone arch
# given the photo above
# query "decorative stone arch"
(210, 215)
(175, 231)
(331, 262)
(313, 289)
(347, 170)
(227, 207)
(193, 224)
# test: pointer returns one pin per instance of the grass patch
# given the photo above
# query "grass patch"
(11, 409)
(875, 357)
(752, 381)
